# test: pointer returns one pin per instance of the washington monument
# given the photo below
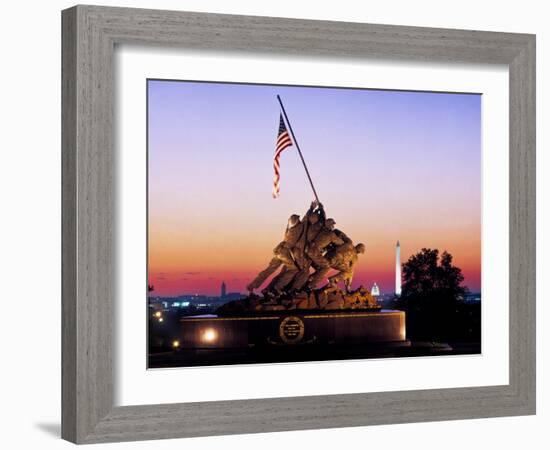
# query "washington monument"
(398, 269)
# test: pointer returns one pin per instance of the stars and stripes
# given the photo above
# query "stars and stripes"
(283, 141)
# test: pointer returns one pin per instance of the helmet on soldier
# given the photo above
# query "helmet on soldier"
(360, 248)
(293, 220)
(329, 223)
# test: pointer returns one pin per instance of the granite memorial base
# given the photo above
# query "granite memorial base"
(290, 329)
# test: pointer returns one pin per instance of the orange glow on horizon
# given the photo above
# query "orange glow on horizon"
(402, 166)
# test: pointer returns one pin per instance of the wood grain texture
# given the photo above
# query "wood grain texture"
(89, 36)
(68, 226)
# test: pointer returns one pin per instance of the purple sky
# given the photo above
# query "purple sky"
(387, 165)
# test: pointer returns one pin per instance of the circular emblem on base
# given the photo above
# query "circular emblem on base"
(291, 330)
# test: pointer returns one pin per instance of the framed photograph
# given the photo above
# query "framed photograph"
(335, 219)
(319, 294)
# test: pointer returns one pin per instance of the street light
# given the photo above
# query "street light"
(209, 335)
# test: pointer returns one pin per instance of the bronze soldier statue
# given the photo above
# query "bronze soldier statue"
(316, 221)
(343, 236)
(310, 242)
(282, 255)
(290, 253)
(344, 258)
(294, 278)
(316, 252)
(313, 225)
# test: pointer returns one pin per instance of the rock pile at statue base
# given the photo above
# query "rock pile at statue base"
(316, 300)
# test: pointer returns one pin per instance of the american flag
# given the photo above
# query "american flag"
(283, 141)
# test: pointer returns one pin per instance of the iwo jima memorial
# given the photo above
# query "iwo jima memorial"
(309, 302)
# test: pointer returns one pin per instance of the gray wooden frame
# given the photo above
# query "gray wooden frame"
(89, 36)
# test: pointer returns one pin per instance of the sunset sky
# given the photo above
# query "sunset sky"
(387, 165)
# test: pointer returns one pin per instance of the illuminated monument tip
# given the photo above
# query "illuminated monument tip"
(397, 269)
(375, 291)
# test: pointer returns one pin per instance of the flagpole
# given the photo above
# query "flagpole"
(298, 147)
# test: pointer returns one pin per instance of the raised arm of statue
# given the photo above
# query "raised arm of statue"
(311, 210)
(321, 212)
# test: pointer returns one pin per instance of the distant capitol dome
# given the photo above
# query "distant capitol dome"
(375, 291)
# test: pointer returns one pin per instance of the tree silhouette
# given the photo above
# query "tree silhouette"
(426, 274)
(432, 296)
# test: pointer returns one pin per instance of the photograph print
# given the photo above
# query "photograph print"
(310, 223)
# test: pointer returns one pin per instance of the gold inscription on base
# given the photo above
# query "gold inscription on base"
(291, 330)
